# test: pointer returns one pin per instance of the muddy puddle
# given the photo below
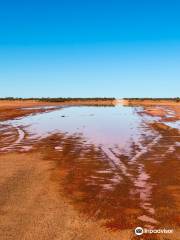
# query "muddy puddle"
(116, 164)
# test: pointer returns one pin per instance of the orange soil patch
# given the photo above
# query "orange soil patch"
(152, 102)
(35, 103)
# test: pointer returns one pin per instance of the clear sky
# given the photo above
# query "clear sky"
(89, 48)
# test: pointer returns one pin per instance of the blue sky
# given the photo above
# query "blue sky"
(90, 48)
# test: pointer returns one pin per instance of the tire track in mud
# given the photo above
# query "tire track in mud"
(11, 137)
(141, 185)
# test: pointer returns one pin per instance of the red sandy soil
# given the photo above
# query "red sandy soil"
(32, 206)
(159, 108)
(169, 113)
(152, 102)
(44, 192)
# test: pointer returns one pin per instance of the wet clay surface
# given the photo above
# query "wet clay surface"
(121, 187)
(141, 191)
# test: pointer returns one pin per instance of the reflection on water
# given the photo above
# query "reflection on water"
(105, 126)
(114, 162)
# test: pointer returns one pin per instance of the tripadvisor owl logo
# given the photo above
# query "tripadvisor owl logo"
(139, 231)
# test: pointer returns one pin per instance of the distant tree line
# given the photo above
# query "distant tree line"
(61, 99)
(177, 99)
(48, 99)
